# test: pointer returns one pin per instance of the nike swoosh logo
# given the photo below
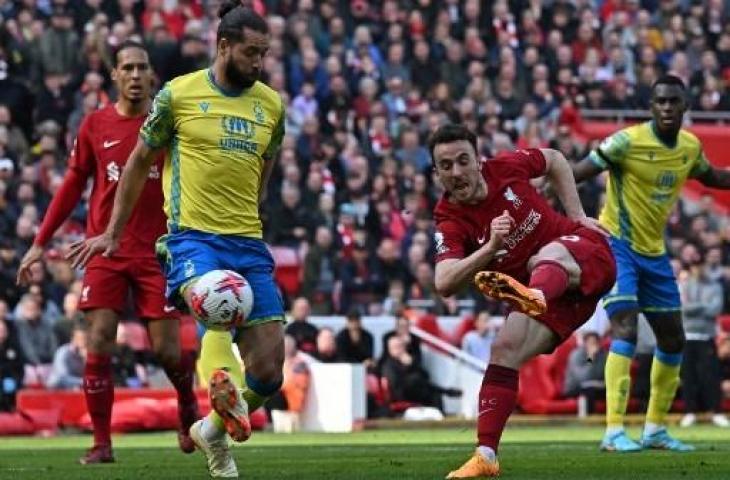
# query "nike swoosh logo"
(486, 410)
(168, 309)
(110, 143)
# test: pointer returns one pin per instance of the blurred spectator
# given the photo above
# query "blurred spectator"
(287, 405)
(702, 301)
(36, 337)
(407, 380)
(327, 347)
(478, 342)
(402, 330)
(72, 316)
(67, 371)
(320, 271)
(11, 365)
(354, 343)
(584, 372)
(303, 332)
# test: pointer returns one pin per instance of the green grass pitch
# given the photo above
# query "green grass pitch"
(527, 453)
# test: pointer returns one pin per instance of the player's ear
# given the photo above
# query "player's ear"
(114, 74)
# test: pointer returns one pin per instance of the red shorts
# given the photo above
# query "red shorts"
(598, 274)
(108, 281)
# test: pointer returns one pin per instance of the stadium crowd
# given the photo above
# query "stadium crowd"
(364, 83)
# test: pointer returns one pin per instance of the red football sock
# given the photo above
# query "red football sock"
(497, 399)
(181, 377)
(551, 278)
(99, 393)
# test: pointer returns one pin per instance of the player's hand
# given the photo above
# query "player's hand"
(500, 228)
(33, 255)
(83, 251)
(593, 224)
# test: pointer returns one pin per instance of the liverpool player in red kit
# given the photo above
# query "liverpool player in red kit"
(492, 223)
(105, 139)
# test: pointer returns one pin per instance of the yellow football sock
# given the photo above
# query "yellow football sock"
(216, 353)
(618, 381)
(663, 386)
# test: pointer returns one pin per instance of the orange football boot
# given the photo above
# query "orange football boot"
(476, 467)
(503, 287)
(226, 400)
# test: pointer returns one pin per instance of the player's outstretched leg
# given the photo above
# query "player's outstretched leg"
(519, 340)
(503, 287)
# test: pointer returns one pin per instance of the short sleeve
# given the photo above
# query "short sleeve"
(701, 165)
(159, 127)
(82, 157)
(277, 135)
(612, 150)
(520, 164)
(449, 238)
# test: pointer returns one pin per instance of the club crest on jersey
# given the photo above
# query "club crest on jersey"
(204, 106)
(189, 268)
(258, 111)
(511, 196)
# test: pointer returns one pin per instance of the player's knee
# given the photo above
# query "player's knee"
(624, 326)
(101, 338)
(671, 343)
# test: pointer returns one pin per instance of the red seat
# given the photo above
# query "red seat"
(724, 322)
(287, 269)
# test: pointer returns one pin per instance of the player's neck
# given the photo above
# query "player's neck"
(221, 80)
(126, 108)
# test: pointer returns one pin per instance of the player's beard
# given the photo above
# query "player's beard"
(238, 78)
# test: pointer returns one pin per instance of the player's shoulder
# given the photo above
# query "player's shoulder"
(187, 83)
(95, 118)
(688, 139)
(268, 96)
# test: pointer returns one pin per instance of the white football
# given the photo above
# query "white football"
(221, 299)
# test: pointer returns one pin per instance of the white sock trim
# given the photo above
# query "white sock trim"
(487, 453)
(651, 428)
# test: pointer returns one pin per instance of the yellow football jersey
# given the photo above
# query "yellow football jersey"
(645, 180)
(216, 144)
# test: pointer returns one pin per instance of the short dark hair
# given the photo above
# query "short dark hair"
(124, 46)
(451, 132)
(235, 17)
(669, 80)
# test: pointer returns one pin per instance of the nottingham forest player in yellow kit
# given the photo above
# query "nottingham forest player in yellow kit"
(647, 164)
(221, 128)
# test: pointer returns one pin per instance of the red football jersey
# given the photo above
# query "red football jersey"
(104, 142)
(462, 229)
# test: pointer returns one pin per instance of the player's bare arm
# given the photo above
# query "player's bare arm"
(265, 176)
(585, 169)
(454, 274)
(130, 187)
(715, 178)
(560, 176)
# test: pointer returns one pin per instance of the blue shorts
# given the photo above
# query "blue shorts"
(190, 253)
(643, 282)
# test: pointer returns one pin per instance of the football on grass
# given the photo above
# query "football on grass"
(221, 300)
